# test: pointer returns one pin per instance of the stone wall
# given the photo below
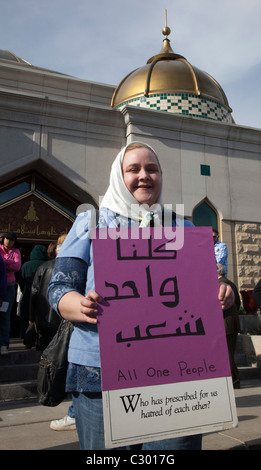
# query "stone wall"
(248, 254)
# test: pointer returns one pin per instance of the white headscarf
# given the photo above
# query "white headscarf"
(119, 199)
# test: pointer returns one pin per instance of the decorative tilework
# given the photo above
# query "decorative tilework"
(183, 103)
(205, 170)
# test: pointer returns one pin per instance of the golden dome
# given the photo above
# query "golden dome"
(8, 55)
(175, 86)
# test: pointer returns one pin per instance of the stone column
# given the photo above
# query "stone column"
(248, 253)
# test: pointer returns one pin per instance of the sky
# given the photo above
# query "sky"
(104, 40)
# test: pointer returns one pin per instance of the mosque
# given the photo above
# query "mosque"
(59, 135)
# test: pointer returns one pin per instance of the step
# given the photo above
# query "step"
(249, 373)
(26, 356)
(18, 390)
(18, 372)
(19, 364)
(22, 357)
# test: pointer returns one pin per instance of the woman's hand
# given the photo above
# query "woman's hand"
(89, 306)
(226, 296)
(77, 308)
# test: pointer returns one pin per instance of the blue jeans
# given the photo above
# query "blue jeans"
(89, 425)
(5, 317)
(71, 412)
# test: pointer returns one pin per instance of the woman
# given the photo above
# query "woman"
(135, 181)
(37, 257)
(12, 260)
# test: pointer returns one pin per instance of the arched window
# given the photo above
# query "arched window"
(205, 215)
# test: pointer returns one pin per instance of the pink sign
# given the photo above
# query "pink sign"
(160, 320)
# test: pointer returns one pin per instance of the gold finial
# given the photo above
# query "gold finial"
(166, 30)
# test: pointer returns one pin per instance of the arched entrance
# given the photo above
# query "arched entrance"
(38, 213)
(36, 210)
(31, 209)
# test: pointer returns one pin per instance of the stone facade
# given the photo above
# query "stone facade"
(248, 247)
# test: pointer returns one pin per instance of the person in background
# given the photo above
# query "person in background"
(135, 182)
(221, 252)
(12, 259)
(3, 282)
(3, 286)
(40, 312)
(46, 319)
(257, 294)
(232, 325)
(38, 256)
(51, 250)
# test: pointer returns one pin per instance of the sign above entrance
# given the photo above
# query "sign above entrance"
(31, 218)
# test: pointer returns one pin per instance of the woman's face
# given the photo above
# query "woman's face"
(142, 175)
(8, 244)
